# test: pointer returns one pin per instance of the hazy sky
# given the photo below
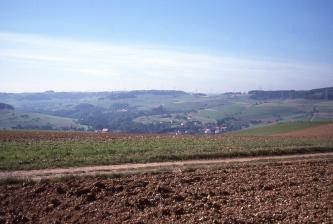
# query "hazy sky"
(192, 45)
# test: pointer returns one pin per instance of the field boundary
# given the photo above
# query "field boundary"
(109, 169)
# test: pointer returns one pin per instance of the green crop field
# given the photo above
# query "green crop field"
(279, 128)
(17, 151)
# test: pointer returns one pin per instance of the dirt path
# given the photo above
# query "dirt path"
(105, 169)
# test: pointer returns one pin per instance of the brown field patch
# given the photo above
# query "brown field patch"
(325, 130)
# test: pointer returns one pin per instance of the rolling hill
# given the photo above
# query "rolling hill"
(164, 111)
(322, 93)
(10, 119)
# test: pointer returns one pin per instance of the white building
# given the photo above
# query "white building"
(207, 131)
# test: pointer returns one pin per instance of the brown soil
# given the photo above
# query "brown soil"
(289, 192)
(320, 131)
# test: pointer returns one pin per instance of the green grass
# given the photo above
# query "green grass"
(12, 118)
(285, 110)
(279, 128)
(46, 154)
(222, 111)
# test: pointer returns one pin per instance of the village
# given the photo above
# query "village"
(211, 129)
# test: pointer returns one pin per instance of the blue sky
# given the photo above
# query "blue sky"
(208, 46)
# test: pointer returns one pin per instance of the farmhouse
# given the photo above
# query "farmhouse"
(207, 131)
(105, 130)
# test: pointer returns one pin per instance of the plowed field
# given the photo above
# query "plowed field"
(280, 192)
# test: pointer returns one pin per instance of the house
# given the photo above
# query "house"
(105, 130)
(224, 128)
(207, 131)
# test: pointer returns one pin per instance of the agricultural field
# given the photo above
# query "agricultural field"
(262, 192)
(284, 129)
(39, 150)
(321, 130)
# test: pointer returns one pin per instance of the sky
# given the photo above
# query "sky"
(207, 46)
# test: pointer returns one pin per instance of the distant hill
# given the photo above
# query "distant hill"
(11, 119)
(162, 111)
(5, 106)
(51, 95)
(323, 94)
